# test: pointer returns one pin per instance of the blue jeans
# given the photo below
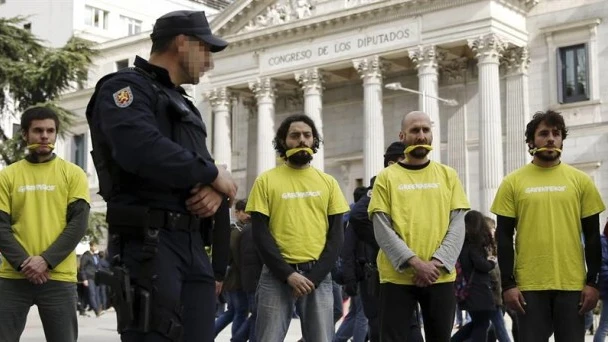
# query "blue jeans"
(236, 313)
(275, 308)
(92, 290)
(354, 324)
(102, 295)
(500, 330)
(247, 329)
(338, 304)
(602, 328)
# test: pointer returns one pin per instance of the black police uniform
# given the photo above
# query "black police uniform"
(149, 151)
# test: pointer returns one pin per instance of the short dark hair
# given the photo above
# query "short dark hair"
(359, 192)
(281, 136)
(550, 118)
(161, 44)
(38, 113)
(240, 205)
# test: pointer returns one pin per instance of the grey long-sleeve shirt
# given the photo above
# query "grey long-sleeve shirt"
(398, 252)
(77, 220)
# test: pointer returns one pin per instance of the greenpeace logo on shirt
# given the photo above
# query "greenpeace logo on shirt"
(36, 187)
(418, 186)
(551, 188)
(303, 194)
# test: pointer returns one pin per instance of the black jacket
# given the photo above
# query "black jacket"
(251, 263)
(155, 144)
(88, 266)
(473, 262)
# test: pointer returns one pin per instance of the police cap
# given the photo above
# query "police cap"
(395, 149)
(190, 23)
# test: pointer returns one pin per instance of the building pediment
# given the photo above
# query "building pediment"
(255, 15)
(257, 22)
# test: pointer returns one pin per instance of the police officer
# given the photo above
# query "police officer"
(161, 184)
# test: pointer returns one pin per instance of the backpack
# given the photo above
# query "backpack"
(462, 285)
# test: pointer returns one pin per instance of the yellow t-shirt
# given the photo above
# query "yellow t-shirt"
(36, 196)
(419, 203)
(548, 204)
(297, 203)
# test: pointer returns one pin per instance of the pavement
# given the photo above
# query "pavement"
(103, 329)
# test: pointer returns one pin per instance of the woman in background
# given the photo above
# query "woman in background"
(476, 263)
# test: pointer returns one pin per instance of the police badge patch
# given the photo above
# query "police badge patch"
(123, 98)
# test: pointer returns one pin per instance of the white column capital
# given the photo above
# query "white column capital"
(263, 88)
(516, 60)
(311, 80)
(369, 68)
(425, 58)
(488, 48)
(219, 97)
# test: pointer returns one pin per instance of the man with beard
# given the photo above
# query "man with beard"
(417, 208)
(44, 210)
(296, 213)
(553, 282)
(163, 189)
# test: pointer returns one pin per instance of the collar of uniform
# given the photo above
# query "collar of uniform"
(160, 74)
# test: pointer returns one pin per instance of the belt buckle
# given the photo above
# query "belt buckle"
(172, 220)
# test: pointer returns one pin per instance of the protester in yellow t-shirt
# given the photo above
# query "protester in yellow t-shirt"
(554, 207)
(296, 212)
(44, 208)
(417, 208)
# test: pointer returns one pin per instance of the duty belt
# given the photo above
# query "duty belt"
(174, 221)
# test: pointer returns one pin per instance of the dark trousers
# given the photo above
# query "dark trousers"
(397, 305)
(56, 301)
(369, 299)
(477, 329)
(551, 312)
(183, 276)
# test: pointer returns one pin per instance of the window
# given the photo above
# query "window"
(96, 17)
(574, 73)
(132, 26)
(122, 64)
(79, 156)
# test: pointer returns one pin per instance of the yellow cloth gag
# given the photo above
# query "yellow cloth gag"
(293, 151)
(35, 146)
(413, 147)
(535, 150)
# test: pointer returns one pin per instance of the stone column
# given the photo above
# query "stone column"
(488, 50)
(516, 61)
(219, 98)
(425, 59)
(454, 73)
(370, 70)
(311, 81)
(264, 91)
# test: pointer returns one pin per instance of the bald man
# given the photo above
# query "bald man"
(417, 208)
